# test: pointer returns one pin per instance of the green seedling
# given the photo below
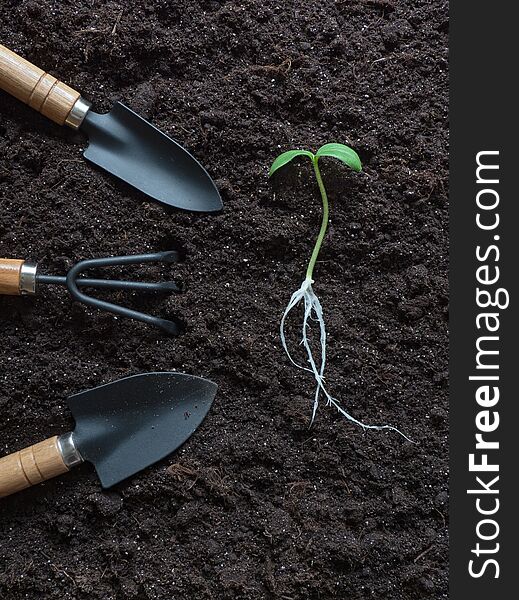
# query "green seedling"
(312, 305)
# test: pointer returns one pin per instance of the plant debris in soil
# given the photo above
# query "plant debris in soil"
(256, 505)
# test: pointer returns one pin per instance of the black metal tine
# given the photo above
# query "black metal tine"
(73, 282)
(170, 256)
(162, 286)
(167, 326)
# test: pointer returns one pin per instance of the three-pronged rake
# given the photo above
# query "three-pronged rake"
(19, 277)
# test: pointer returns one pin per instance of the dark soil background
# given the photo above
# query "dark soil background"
(256, 504)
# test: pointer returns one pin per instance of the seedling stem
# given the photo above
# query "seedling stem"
(324, 224)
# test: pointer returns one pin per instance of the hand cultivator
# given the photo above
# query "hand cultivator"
(19, 277)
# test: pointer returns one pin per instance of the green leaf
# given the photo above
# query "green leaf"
(343, 153)
(286, 157)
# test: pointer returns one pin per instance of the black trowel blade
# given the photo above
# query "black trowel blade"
(134, 150)
(125, 426)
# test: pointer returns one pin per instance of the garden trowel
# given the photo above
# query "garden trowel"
(120, 141)
(121, 428)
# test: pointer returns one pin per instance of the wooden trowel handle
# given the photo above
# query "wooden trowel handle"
(17, 277)
(38, 89)
(30, 466)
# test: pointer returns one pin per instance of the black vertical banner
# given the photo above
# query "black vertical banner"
(484, 196)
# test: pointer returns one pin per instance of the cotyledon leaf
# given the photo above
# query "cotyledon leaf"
(341, 152)
(286, 157)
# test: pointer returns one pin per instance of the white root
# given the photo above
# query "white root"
(312, 306)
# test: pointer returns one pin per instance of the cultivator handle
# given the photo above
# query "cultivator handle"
(17, 277)
(38, 89)
(31, 466)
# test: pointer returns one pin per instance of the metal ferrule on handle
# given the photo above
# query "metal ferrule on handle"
(78, 113)
(28, 273)
(69, 452)
(17, 277)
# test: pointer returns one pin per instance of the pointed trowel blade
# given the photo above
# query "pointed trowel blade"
(129, 147)
(125, 426)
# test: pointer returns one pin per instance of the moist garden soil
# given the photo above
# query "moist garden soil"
(256, 504)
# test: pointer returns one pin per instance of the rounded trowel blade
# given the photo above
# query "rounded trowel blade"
(127, 425)
(129, 147)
